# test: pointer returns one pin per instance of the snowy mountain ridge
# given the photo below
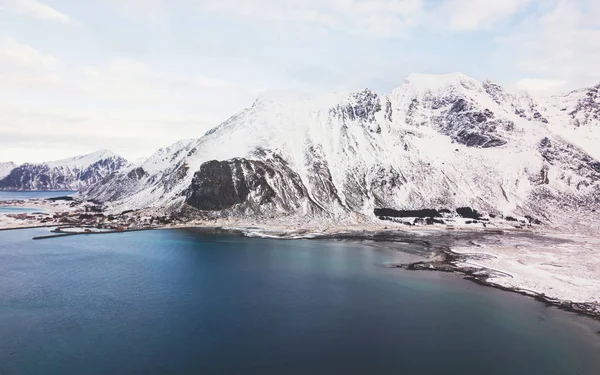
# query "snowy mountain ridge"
(434, 142)
(5, 168)
(83, 161)
(576, 117)
(67, 174)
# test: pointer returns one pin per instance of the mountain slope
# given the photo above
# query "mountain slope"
(576, 117)
(435, 142)
(67, 174)
(5, 168)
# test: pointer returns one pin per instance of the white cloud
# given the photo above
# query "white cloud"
(125, 105)
(17, 54)
(36, 9)
(468, 15)
(134, 81)
(371, 17)
(541, 86)
(560, 43)
(24, 67)
(152, 11)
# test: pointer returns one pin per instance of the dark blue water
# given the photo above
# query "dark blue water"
(181, 302)
(10, 195)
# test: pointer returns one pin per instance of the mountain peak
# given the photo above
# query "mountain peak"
(85, 160)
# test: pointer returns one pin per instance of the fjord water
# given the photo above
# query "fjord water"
(17, 210)
(184, 302)
(10, 195)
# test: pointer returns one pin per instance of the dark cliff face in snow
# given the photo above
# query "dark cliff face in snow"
(68, 174)
(435, 142)
(246, 187)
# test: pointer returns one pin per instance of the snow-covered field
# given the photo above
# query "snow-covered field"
(564, 267)
(45, 206)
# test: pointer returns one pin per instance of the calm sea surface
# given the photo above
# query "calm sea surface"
(184, 302)
(9, 195)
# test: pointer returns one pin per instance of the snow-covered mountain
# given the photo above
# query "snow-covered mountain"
(5, 168)
(67, 174)
(576, 117)
(443, 141)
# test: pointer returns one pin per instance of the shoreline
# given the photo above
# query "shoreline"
(480, 276)
(68, 234)
(443, 258)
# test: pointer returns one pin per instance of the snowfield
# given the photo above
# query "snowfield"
(567, 269)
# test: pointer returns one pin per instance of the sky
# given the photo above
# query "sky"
(136, 75)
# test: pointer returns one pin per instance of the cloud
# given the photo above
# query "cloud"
(17, 54)
(382, 18)
(152, 11)
(469, 15)
(33, 134)
(130, 80)
(126, 105)
(559, 43)
(22, 66)
(38, 10)
(541, 86)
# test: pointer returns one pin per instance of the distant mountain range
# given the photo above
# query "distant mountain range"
(437, 141)
(68, 174)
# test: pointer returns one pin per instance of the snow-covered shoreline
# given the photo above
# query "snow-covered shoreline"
(44, 209)
(566, 268)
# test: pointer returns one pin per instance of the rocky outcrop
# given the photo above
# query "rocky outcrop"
(587, 107)
(245, 186)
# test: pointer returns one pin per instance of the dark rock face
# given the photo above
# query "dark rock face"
(587, 109)
(567, 156)
(363, 106)
(463, 122)
(471, 127)
(63, 198)
(214, 186)
(495, 91)
(136, 173)
(388, 212)
(468, 212)
(389, 112)
(244, 185)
